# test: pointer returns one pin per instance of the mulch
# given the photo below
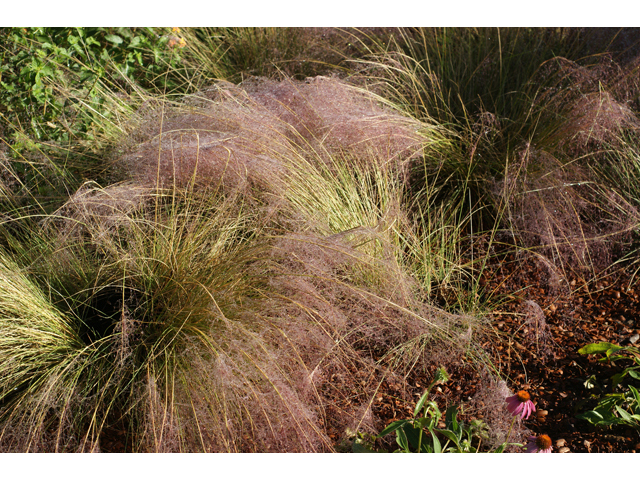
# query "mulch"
(541, 356)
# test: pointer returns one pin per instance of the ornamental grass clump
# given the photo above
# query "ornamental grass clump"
(245, 136)
(187, 322)
(534, 120)
(154, 329)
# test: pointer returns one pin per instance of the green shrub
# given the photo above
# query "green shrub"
(37, 61)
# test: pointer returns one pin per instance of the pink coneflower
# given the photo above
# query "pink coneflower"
(521, 404)
(539, 444)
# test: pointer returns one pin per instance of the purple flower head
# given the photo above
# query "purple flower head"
(520, 404)
(539, 444)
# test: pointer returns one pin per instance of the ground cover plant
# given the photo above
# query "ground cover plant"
(318, 240)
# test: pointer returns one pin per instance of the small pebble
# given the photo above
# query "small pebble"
(563, 450)
(634, 338)
(561, 442)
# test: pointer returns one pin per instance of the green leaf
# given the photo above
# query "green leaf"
(596, 348)
(617, 357)
(451, 421)
(424, 422)
(426, 448)
(451, 436)
(437, 448)
(413, 435)
(635, 392)
(392, 427)
(614, 349)
(633, 373)
(420, 404)
(401, 438)
(623, 413)
(115, 39)
(46, 71)
(591, 416)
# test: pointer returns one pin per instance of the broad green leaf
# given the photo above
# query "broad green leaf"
(633, 373)
(117, 40)
(624, 414)
(424, 422)
(47, 71)
(614, 349)
(392, 427)
(437, 448)
(450, 435)
(401, 438)
(596, 348)
(125, 32)
(413, 435)
(591, 416)
(451, 421)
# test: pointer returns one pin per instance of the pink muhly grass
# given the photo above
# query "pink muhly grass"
(520, 404)
(539, 444)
